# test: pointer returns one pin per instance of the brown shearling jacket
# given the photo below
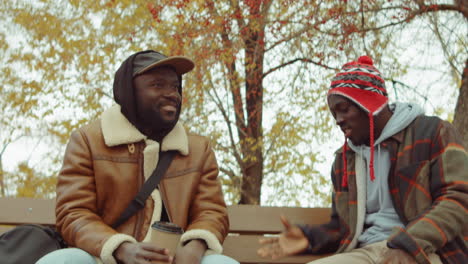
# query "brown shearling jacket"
(105, 164)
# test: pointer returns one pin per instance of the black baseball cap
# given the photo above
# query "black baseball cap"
(144, 62)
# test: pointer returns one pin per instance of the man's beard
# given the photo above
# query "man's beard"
(152, 124)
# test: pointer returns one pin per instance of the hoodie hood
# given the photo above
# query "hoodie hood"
(403, 115)
(124, 93)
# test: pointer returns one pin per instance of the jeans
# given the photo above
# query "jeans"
(79, 256)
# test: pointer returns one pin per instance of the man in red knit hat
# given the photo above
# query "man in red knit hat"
(400, 182)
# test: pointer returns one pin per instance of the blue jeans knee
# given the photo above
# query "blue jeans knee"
(218, 259)
(79, 256)
(67, 256)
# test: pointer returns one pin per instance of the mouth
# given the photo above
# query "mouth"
(169, 108)
(347, 132)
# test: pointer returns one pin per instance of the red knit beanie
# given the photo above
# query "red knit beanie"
(361, 82)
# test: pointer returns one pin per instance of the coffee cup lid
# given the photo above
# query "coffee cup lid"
(167, 227)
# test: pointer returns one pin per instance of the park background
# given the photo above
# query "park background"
(258, 89)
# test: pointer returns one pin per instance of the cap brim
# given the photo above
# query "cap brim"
(370, 102)
(179, 63)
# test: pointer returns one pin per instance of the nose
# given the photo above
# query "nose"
(339, 120)
(173, 96)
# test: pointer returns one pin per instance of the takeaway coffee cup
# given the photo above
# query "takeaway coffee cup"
(166, 235)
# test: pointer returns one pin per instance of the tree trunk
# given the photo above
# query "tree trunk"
(252, 145)
(460, 119)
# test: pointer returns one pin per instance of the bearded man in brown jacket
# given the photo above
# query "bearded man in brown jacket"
(108, 160)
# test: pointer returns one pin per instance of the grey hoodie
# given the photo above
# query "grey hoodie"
(381, 216)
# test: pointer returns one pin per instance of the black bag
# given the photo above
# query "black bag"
(26, 244)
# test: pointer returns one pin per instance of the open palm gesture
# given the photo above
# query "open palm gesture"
(290, 242)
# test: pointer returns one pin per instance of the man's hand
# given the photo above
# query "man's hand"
(141, 253)
(191, 253)
(397, 256)
(290, 242)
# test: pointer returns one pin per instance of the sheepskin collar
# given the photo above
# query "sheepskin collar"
(117, 130)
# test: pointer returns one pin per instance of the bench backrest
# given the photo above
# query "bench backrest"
(247, 224)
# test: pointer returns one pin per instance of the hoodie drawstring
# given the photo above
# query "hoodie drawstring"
(371, 143)
(344, 181)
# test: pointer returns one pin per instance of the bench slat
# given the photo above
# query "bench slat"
(264, 219)
(27, 211)
(248, 223)
(242, 218)
(244, 249)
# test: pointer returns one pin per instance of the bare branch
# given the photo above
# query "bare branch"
(294, 61)
(363, 25)
(218, 103)
(266, 8)
(411, 15)
(461, 7)
(413, 89)
(436, 31)
(231, 174)
(292, 36)
(423, 8)
(273, 143)
(8, 143)
(231, 67)
(101, 92)
(239, 19)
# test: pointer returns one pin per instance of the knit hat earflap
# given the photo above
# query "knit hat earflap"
(360, 82)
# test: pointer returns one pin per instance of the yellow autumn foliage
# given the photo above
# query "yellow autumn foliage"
(258, 89)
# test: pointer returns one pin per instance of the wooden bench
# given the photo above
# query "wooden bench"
(247, 224)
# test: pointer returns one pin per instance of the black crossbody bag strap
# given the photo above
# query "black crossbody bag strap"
(138, 202)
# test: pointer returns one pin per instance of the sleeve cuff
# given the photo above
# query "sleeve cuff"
(404, 241)
(111, 245)
(210, 239)
(391, 245)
